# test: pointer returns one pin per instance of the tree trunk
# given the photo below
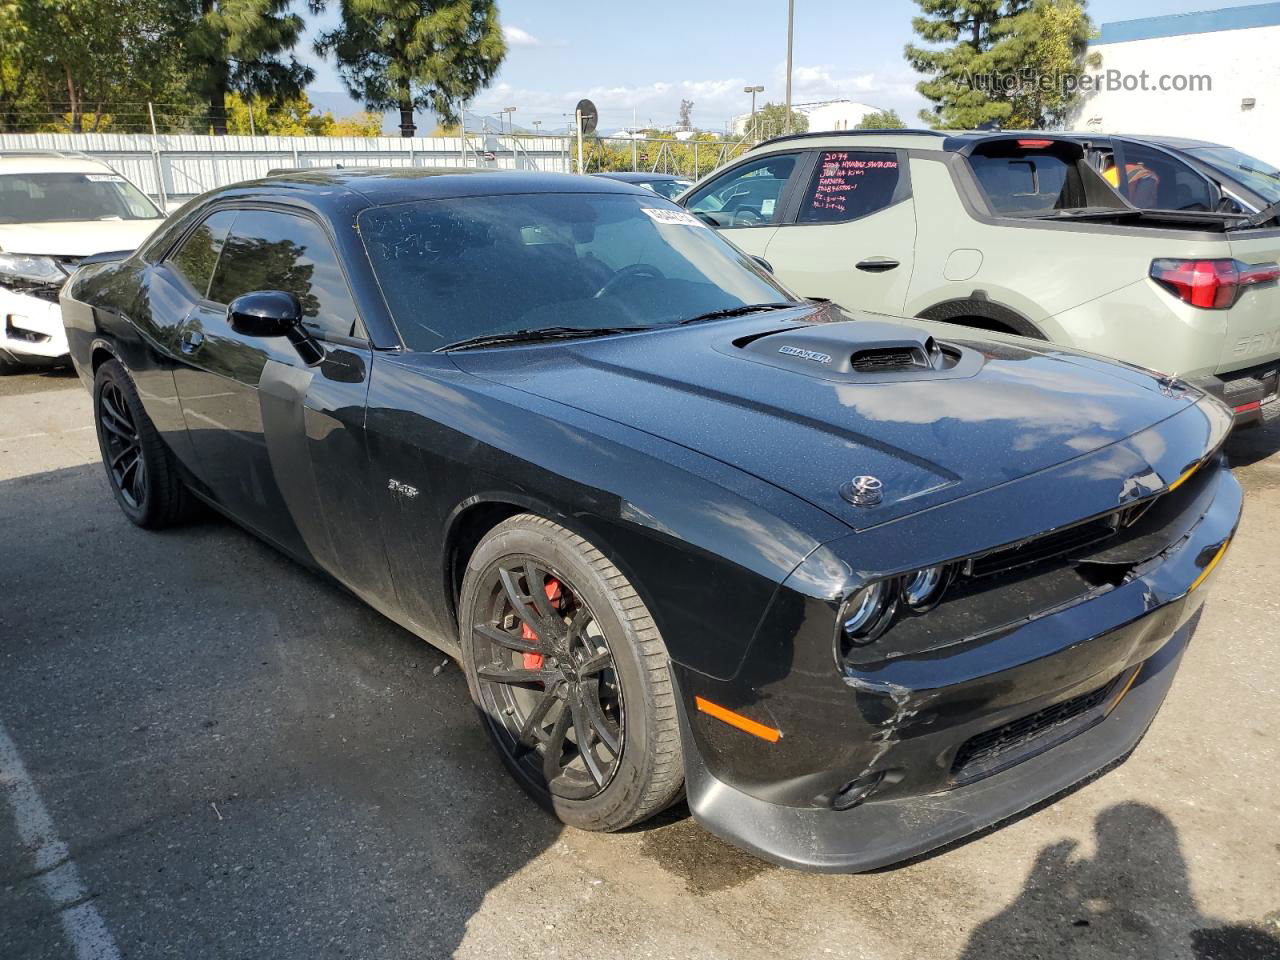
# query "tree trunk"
(77, 125)
(218, 111)
(407, 126)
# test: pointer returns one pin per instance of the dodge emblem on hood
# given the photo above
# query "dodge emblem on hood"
(863, 491)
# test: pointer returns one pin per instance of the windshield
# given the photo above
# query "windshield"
(61, 197)
(1260, 177)
(670, 188)
(470, 267)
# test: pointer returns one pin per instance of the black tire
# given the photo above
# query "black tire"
(140, 469)
(630, 701)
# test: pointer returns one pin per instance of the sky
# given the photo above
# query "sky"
(647, 57)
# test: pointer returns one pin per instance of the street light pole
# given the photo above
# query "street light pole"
(791, 28)
(753, 90)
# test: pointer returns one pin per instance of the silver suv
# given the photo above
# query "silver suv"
(1015, 233)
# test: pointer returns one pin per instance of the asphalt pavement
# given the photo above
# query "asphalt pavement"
(208, 752)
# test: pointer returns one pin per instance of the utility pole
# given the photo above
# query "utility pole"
(511, 123)
(791, 29)
(155, 156)
(577, 114)
(753, 90)
(635, 147)
(463, 130)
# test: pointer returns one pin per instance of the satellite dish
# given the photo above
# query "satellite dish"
(590, 116)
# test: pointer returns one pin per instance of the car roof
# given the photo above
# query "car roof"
(1177, 143)
(49, 162)
(638, 176)
(385, 185)
(949, 141)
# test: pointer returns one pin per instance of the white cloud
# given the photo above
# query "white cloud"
(715, 101)
(516, 37)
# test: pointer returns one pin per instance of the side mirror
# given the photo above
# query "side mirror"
(274, 313)
(264, 313)
(762, 263)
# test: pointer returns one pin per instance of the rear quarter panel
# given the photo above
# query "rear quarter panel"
(1047, 271)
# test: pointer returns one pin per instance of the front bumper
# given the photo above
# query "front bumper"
(879, 833)
(923, 719)
(31, 328)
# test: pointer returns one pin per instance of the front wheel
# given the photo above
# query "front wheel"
(570, 675)
(140, 469)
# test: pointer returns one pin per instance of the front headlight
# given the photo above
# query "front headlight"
(923, 589)
(869, 610)
(30, 269)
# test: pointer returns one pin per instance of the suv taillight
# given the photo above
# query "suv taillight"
(1211, 284)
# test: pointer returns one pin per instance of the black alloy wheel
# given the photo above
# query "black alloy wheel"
(547, 675)
(122, 447)
(143, 474)
(570, 675)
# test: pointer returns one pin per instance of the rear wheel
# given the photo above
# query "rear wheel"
(140, 469)
(570, 675)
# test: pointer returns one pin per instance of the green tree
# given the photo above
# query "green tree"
(241, 46)
(295, 117)
(72, 64)
(1005, 62)
(1046, 47)
(424, 54)
(771, 121)
(880, 120)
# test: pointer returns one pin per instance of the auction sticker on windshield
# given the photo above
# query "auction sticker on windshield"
(660, 215)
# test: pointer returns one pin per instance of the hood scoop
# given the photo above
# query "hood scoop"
(861, 351)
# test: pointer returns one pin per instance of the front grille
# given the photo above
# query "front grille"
(988, 752)
(1044, 547)
(883, 359)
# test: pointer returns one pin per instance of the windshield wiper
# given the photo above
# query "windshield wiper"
(534, 334)
(741, 311)
(1258, 219)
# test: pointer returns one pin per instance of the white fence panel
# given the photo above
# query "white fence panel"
(182, 165)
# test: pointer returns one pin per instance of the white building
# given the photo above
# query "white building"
(1213, 75)
(822, 115)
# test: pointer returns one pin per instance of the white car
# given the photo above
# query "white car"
(56, 209)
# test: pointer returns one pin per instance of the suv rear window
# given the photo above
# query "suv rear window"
(1018, 179)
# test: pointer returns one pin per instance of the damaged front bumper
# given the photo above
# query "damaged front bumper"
(934, 744)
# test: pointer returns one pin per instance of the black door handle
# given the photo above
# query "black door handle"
(191, 340)
(876, 264)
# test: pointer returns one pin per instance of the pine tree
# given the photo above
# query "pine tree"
(999, 62)
(241, 46)
(425, 54)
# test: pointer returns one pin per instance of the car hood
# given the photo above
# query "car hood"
(75, 239)
(729, 391)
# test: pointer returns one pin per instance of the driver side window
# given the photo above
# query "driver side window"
(746, 196)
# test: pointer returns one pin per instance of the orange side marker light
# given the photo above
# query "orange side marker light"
(745, 724)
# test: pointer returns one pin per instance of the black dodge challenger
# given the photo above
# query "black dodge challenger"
(857, 586)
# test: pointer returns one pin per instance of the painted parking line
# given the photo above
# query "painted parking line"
(55, 871)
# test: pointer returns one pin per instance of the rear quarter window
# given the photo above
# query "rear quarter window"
(1016, 180)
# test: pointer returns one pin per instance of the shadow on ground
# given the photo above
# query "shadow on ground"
(244, 760)
(1131, 898)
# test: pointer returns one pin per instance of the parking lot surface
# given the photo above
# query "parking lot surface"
(208, 751)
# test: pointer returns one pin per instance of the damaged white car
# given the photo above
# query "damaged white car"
(56, 209)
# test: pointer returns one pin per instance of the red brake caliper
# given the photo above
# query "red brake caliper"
(533, 661)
